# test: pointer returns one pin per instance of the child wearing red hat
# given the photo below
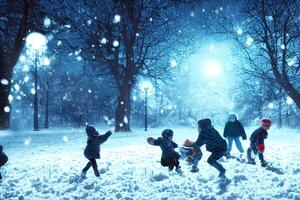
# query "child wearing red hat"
(257, 145)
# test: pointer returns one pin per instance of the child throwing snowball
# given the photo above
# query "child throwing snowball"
(3, 159)
(169, 157)
(92, 149)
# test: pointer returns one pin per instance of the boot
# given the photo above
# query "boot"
(194, 169)
(222, 174)
(263, 163)
(249, 157)
(178, 170)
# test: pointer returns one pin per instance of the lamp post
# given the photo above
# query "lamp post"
(36, 44)
(147, 88)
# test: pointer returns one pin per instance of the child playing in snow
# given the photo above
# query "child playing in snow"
(3, 159)
(257, 142)
(169, 157)
(92, 149)
(191, 155)
(214, 144)
(233, 131)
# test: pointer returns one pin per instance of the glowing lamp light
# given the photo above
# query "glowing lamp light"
(212, 69)
(146, 86)
(36, 41)
(271, 105)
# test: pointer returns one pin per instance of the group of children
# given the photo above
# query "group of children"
(207, 135)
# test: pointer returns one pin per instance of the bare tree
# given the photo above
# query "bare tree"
(267, 33)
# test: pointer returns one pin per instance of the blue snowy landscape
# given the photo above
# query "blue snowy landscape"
(149, 99)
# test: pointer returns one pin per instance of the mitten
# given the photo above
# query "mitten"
(150, 140)
(261, 148)
(109, 132)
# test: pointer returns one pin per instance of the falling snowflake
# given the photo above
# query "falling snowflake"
(125, 120)
(282, 46)
(27, 141)
(17, 87)
(32, 91)
(103, 41)
(65, 139)
(47, 22)
(7, 109)
(116, 43)
(59, 43)
(173, 63)
(10, 98)
(4, 81)
(79, 58)
(249, 41)
(117, 18)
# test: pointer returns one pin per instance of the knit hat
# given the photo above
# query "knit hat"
(266, 122)
(167, 133)
(232, 117)
(187, 143)
(90, 130)
(204, 123)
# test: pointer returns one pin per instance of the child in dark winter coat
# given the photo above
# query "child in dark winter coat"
(3, 159)
(169, 157)
(233, 131)
(257, 145)
(92, 149)
(214, 144)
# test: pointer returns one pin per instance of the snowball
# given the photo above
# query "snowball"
(79, 58)
(26, 79)
(26, 68)
(115, 43)
(47, 22)
(103, 41)
(4, 81)
(6, 109)
(173, 63)
(125, 120)
(32, 91)
(22, 58)
(249, 41)
(117, 18)
(10, 98)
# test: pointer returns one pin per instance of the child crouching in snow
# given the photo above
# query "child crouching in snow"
(191, 154)
(92, 149)
(169, 157)
(3, 159)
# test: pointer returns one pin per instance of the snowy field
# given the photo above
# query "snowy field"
(47, 165)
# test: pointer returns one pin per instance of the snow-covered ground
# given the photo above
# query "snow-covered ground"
(47, 165)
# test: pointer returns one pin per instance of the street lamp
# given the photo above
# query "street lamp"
(36, 43)
(147, 87)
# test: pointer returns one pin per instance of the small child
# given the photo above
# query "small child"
(232, 132)
(191, 155)
(3, 159)
(257, 142)
(92, 149)
(169, 157)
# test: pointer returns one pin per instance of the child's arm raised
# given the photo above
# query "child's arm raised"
(103, 138)
(155, 142)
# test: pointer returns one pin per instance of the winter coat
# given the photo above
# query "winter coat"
(3, 157)
(258, 136)
(92, 149)
(167, 146)
(212, 138)
(234, 129)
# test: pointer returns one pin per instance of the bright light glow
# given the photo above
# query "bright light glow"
(173, 63)
(4, 82)
(36, 41)
(249, 41)
(147, 86)
(7, 109)
(238, 30)
(47, 22)
(289, 100)
(10, 98)
(26, 68)
(103, 41)
(117, 18)
(212, 69)
(116, 43)
(271, 105)
(282, 46)
(46, 61)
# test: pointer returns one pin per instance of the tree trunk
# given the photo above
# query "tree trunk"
(122, 115)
